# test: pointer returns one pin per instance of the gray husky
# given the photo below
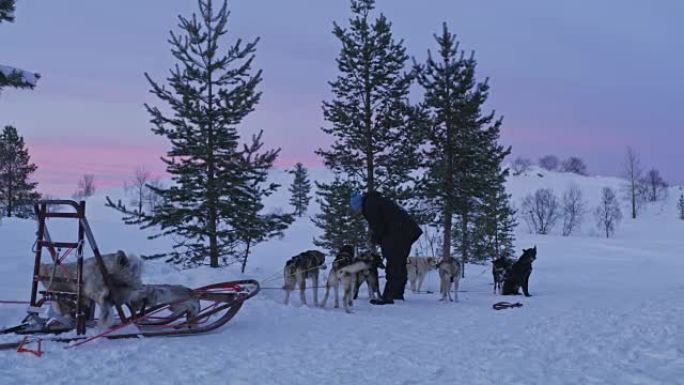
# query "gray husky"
(181, 300)
(124, 272)
(300, 267)
(417, 268)
(449, 273)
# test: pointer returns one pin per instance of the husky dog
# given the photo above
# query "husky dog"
(449, 273)
(369, 276)
(519, 275)
(417, 268)
(344, 258)
(500, 269)
(181, 300)
(298, 269)
(347, 276)
(124, 274)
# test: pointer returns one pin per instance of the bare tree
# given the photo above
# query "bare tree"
(86, 187)
(541, 211)
(521, 165)
(142, 194)
(574, 165)
(634, 188)
(137, 189)
(608, 214)
(655, 186)
(574, 208)
(429, 243)
(152, 199)
(549, 162)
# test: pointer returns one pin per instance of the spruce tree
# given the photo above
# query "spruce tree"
(300, 189)
(7, 10)
(17, 191)
(339, 224)
(9, 76)
(495, 221)
(680, 204)
(461, 155)
(369, 116)
(213, 207)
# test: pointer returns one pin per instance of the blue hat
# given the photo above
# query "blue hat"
(356, 200)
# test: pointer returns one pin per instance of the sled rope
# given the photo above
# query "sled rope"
(506, 305)
(276, 275)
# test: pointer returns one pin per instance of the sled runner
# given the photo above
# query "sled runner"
(216, 303)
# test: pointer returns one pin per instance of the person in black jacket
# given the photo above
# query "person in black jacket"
(395, 231)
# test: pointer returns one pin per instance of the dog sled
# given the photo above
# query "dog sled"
(218, 303)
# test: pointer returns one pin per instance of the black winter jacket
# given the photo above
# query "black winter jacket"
(387, 221)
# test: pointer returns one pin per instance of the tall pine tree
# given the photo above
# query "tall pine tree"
(461, 154)
(369, 115)
(17, 191)
(300, 189)
(213, 208)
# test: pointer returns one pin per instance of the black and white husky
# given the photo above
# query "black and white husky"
(449, 275)
(345, 272)
(500, 269)
(300, 267)
(369, 276)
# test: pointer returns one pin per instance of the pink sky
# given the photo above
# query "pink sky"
(61, 164)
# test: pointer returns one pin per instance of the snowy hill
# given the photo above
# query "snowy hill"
(603, 311)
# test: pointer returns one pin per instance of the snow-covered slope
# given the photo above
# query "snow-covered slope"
(602, 312)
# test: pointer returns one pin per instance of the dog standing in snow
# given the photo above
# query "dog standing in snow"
(300, 267)
(369, 276)
(500, 269)
(344, 258)
(418, 268)
(449, 275)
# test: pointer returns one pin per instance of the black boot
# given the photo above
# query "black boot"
(382, 301)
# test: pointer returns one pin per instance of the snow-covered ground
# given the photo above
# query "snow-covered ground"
(602, 312)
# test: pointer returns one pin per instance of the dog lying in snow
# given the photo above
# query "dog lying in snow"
(300, 267)
(449, 274)
(519, 275)
(182, 300)
(500, 268)
(369, 276)
(418, 268)
(124, 272)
